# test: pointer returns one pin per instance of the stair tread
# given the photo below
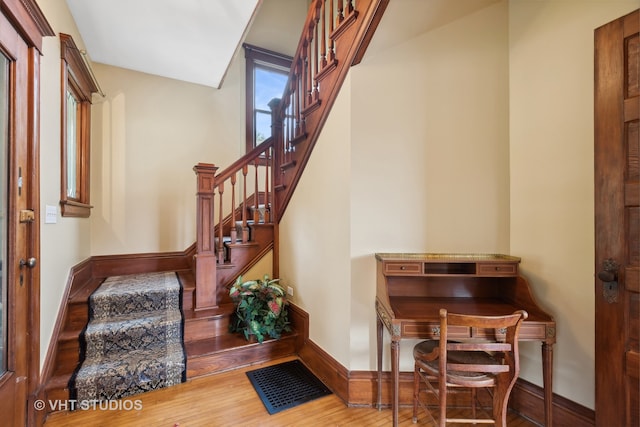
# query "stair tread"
(187, 279)
(140, 359)
(81, 296)
(137, 318)
(224, 343)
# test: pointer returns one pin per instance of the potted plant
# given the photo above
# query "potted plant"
(261, 308)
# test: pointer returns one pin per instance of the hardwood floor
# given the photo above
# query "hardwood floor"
(228, 399)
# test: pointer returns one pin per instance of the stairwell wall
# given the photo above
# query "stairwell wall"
(413, 158)
(146, 136)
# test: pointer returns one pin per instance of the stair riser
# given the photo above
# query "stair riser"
(67, 357)
(197, 329)
(77, 316)
(187, 300)
(57, 395)
(144, 379)
(132, 338)
(245, 356)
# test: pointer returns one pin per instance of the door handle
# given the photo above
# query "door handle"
(609, 277)
(31, 262)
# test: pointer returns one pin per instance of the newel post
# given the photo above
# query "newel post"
(205, 258)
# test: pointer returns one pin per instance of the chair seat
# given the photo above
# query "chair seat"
(432, 367)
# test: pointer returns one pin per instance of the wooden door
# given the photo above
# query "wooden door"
(16, 228)
(617, 221)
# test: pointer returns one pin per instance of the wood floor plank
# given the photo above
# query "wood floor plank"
(228, 399)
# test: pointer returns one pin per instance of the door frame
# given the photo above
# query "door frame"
(31, 25)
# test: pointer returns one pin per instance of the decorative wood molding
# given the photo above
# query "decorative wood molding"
(29, 20)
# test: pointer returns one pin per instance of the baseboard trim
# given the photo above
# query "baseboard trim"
(527, 399)
(359, 389)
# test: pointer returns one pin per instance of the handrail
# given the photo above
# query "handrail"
(335, 35)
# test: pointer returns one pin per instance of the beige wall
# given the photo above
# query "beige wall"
(414, 157)
(67, 242)
(551, 156)
(314, 235)
(476, 136)
(147, 134)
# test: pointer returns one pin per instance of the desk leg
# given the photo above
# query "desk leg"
(379, 331)
(547, 375)
(395, 374)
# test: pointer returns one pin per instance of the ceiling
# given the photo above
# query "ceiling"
(195, 40)
(190, 40)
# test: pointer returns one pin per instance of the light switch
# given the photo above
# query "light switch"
(51, 214)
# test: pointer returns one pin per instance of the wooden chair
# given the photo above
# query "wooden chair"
(489, 360)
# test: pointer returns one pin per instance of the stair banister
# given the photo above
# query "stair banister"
(335, 36)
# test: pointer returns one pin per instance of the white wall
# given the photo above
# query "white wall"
(551, 140)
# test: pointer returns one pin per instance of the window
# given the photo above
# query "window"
(266, 77)
(77, 87)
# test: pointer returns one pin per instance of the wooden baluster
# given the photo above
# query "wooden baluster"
(296, 98)
(350, 8)
(316, 53)
(323, 48)
(220, 225)
(267, 158)
(256, 194)
(234, 232)
(332, 46)
(308, 71)
(245, 226)
(340, 16)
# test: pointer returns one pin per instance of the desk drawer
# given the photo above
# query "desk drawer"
(493, 269)
(403, 268)
(427, 330)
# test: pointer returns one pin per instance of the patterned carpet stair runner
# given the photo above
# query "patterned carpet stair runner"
(134, 340)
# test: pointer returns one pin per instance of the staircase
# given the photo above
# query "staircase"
(133, 341)
(249, 197)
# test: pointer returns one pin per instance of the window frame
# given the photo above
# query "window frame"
(257, 57)
(77, 79)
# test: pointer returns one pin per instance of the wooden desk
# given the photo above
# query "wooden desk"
(411, 289)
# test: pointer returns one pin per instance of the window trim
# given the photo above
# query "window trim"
(76, 78)
(264, 58)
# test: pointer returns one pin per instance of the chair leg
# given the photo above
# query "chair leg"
(416, 392)
(442, 399)
(500, 401)
(473, 403)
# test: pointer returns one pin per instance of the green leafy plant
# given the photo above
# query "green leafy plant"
(261, 308)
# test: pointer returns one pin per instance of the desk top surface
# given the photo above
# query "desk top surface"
(445, 257)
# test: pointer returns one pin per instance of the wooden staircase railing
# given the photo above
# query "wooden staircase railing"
(335, 36)
(244, 188)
